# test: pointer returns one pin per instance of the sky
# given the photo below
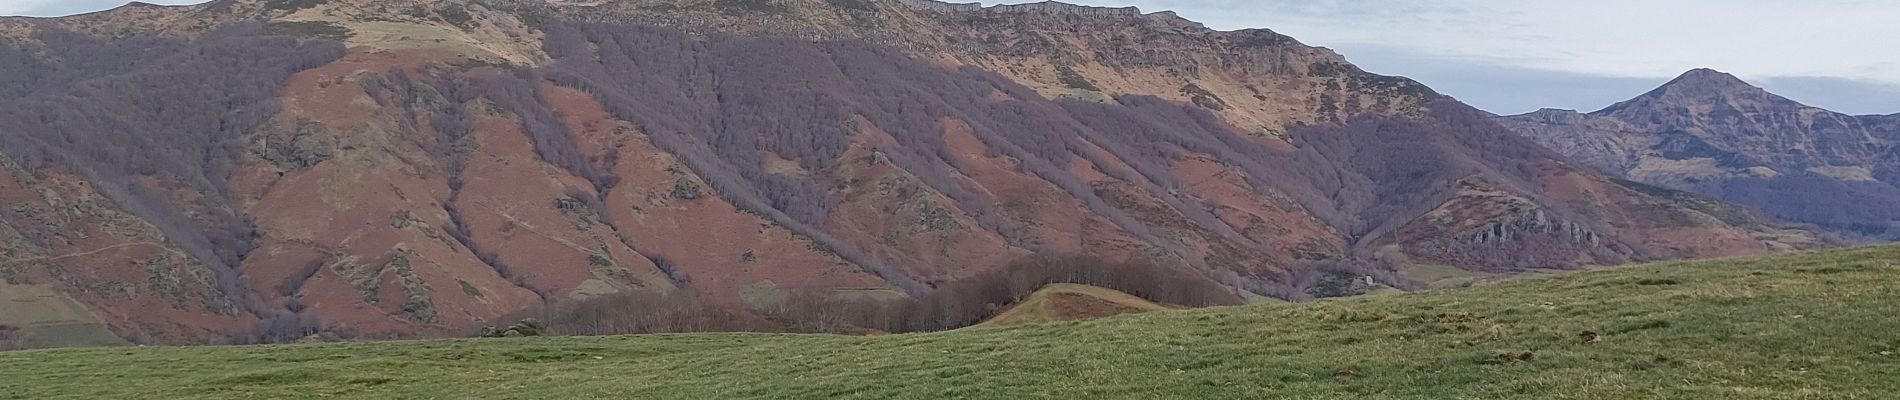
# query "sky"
(1514, 56)
(55, 8)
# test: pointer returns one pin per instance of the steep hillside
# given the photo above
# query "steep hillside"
(424, 167)
(1809, 325)
(1711, 133)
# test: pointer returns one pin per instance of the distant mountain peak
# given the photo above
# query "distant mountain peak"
(1707, 131)
(1708, 79)
(1707, 73)
(1703, 86)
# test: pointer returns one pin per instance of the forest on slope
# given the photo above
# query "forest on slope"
(385, 169)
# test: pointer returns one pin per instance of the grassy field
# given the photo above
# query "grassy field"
(1066, 302)
(1800, 326)
(47, 318)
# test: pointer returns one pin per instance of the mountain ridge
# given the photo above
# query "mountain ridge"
(1713, 133)
(1705, 86)
(423, 167)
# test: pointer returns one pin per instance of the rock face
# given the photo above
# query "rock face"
(426, 167)
(1711, 133)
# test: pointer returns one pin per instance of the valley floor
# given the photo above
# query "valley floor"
(1796, 326)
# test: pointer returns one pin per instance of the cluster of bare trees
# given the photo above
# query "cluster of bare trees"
(640, 312)
(723, 103)
(119, 109)
(114, 109)
(1344, 277)
(442, 98)
(293, 283)
(520, 93)
(721, 116)
(284, 326)
(9, 339)
(1870, 209)
(670, 268)
(953, 305)
(439, 97)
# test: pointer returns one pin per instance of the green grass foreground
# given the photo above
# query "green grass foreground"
(1814, 325)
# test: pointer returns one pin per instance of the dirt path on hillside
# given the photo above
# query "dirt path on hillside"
(160, 246)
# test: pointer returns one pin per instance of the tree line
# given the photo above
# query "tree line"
(957, 304)
(9, 338)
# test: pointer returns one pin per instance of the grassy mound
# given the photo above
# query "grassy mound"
(1811, 325)
(1071, 302)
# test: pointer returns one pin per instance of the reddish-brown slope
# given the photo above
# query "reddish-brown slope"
(1268, 221)
(897, 217)
(1052, 220)
(669, 213)
(1658, 227)
(360, 238)
(56, 230)
(542, 221)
